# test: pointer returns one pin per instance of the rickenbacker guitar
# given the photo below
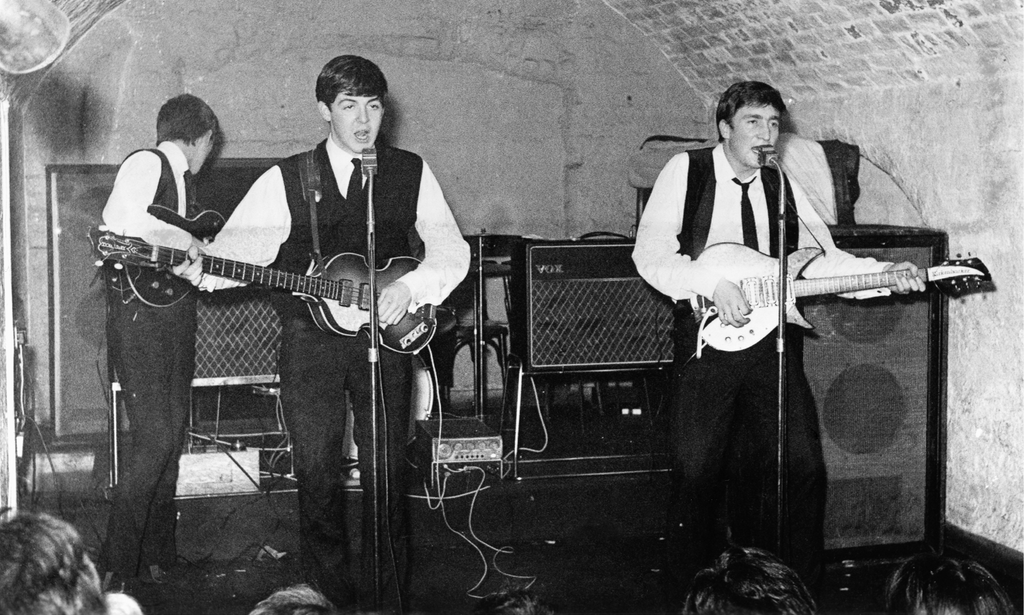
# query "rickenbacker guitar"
(158, 287)
(756, 275)
(338, 300)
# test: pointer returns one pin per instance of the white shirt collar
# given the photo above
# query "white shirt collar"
(176, 157)
(723, 170)
(334, 151)
(341, 165)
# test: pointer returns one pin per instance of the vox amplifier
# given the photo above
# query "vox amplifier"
(582, 306)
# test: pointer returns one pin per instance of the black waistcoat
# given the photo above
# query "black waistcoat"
(700, 205)
(157, 281)
(342, 224)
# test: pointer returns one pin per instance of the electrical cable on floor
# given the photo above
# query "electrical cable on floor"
(540, 416)
(470, 537)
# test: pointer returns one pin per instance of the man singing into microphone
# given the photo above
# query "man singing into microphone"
(725, 404)
(274, 225)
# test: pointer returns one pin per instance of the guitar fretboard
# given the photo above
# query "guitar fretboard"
(345, 292)
(850, 283)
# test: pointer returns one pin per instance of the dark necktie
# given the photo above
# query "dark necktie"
(355, 183)
(747, 216)
(191, 206)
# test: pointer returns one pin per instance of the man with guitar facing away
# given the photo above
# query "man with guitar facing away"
(312, 207)
(151, 332)
(725, 401)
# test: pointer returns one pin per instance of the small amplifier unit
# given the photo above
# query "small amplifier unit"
(456, 442)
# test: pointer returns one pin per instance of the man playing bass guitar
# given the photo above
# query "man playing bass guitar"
(312, 206)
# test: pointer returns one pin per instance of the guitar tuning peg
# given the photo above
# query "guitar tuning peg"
(118, 266)
(98, 263)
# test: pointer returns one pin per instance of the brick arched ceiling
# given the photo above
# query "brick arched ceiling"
(812, 47)
(826, 47)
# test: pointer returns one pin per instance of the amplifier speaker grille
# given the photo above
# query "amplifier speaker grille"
(583, 306)
(874, 367)
(237, 338)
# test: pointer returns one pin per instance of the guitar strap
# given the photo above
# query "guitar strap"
(309, 175)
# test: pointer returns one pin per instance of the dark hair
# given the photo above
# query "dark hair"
(295, 600)
(45, 569)
(748, 580)
(512, 602)
(186, 118)
(747, 94)
(350, 75)
(932, 584)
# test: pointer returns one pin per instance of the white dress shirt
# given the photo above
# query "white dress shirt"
(134, 189)
(656, 254)
(262, 222)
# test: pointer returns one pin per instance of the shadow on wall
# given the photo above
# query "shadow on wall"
(71, 117)
(74, 108)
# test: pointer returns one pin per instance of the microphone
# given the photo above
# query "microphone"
(369, 162)
(767, 155)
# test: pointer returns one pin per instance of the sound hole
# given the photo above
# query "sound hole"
(864, 407)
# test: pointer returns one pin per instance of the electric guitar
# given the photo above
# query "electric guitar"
(757, 276)
(338, 298)
(158, 287)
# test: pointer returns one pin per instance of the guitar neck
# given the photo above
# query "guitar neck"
(246, 272)
(850, 283)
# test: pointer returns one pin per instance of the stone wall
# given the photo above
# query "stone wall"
(526, 111)
(931, 91)
(962, 174)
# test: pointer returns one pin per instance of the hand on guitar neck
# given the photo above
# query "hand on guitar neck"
(393, 300)
(733, 308)
(905, 283)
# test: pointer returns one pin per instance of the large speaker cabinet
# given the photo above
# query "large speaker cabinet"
(582, 306)
(877, 371)
(79, 388)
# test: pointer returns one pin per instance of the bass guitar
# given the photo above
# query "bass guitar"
(756, 275)
(338, 297)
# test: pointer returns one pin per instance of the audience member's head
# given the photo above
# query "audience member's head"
(930, 584)
(122, 604)
(295, 600)
(512, 602)
(45, 569)
(746, 580)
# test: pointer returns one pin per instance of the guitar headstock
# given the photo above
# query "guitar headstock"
(113, 247)
(960, 276)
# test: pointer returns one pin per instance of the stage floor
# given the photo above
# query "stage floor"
(589, 544)
(583, 523)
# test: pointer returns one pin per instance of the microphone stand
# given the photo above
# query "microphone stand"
(768, 156)
(380, 498)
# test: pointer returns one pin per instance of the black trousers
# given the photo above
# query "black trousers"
(724, 432)
(152, 351)
(316, 369)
